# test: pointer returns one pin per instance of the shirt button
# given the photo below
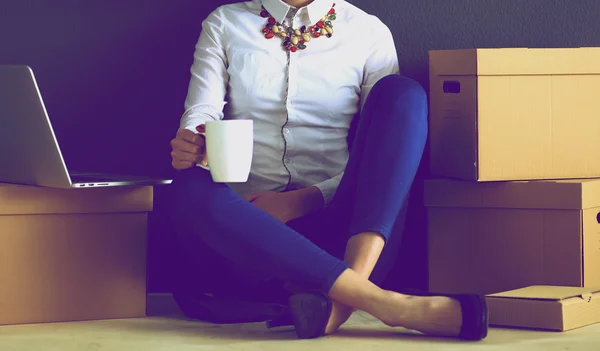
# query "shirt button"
(286, 131)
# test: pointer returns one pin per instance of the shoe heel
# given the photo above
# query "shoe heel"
(310, 312)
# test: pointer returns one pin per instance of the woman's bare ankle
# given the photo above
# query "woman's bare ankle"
(434, 315)
(389, 308)
(353, 290)
(339, 315)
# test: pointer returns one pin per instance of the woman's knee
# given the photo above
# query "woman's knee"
(191, 188)
(401, 92)
(190, 180)
(194, 193)
(400, 87)
(398, 100)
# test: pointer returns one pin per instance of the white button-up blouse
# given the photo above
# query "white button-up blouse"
(302, 103)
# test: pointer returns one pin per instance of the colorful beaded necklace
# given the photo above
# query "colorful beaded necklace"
(296, 39)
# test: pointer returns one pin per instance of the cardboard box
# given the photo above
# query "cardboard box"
(545, 307)
(491, 237)
(72, 254)
(515, 114)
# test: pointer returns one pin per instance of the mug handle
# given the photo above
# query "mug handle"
(199, 164)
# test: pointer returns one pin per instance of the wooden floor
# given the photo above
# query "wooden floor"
(167, 330)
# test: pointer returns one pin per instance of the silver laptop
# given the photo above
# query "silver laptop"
(29, 151)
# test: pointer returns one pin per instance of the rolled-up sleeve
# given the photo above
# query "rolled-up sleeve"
(205, 100)
(329, 187)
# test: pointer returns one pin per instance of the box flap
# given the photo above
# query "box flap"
(21, 199)
(545, 292)
(516, 61)
(540, 194)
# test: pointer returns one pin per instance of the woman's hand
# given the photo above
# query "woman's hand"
(279, 205)
(188, 149)
(289, 205)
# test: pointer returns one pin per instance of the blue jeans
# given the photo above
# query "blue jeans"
(229, 245)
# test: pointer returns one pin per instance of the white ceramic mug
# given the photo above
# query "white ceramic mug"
(229, 147)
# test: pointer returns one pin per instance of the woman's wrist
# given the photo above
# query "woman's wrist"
(308, 200)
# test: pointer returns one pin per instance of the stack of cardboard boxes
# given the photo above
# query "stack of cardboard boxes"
(515, 158)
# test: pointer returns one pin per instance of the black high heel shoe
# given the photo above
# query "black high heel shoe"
(309, 313)
(474, 313)
(475, 317)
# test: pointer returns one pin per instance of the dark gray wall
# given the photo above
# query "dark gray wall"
(114, 76)
(113, 73)
(419, 26)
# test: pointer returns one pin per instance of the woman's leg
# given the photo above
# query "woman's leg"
(386, 149)
(385, 154)
(387, 144)
(240, 232)
(211, 288)
(249, 237)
